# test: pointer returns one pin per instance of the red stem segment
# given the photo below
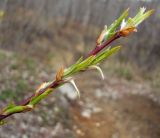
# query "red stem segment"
(98, 48)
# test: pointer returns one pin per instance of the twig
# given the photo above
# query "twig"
(119, 28)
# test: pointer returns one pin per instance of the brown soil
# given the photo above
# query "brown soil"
(126, 115)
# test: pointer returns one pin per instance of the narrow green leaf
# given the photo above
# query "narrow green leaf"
(130, 22)
(11, 105)
(142, 17)
(69, 70)
(37, 99)
(85, 63)
(104, 55)
(15, 109)
(140, 13)
(113, 27)
(139, 18)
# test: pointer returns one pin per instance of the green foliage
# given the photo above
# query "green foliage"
(11, 105)
(21, 86)
(7, 94)
(37, 99)
(15, 109)
(141, 16)
(124, 72)
(14, 66)
(30, 64)
(11, 94)
(2, 56)
(82, 65)
(86, 63)
(105, 54)
(72, 68)
(113, 27)
(120, 24)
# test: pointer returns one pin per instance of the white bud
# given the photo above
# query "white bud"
(123, 24)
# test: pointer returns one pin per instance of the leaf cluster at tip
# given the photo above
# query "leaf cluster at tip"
(123, 23)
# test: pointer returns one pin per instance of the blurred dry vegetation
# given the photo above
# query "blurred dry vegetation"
(39, 24)
(37, 37)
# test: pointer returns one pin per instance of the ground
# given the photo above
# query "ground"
(120, 109)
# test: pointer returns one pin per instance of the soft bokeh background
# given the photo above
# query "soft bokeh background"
(37, 37)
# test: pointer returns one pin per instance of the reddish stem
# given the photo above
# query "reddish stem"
(98, 48)
(26, 101)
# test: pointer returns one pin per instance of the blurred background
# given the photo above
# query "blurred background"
(37, 37)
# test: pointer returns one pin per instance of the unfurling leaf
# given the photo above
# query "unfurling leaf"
(102, 36)
(135, 21)
(42, 86)
(127, 31)
(60, 74)
(142, 15)
(107, 33)
(113, 27)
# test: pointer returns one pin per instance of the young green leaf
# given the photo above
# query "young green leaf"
(37, 99)
(142, 17)
(72, 68)
(109, 32)
(116, 24)
(11, 105)
(139, 18)
(84, 64)
(104, 55)
(15, 109)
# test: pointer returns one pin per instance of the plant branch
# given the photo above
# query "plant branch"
(118, 29)
(98, 48)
